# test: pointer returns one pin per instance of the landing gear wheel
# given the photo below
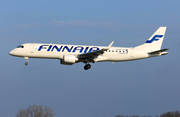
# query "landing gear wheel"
(26, 58)
(26, 63)
(88, 66)
(85, 68)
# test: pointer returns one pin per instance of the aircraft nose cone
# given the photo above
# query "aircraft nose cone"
(11, 52)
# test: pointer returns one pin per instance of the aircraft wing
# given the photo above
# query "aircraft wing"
(92, 55)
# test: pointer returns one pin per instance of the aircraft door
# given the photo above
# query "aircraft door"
(32, 47)
(132, 52)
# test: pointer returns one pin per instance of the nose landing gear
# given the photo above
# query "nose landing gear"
(87, 66)
(26, 63)
(26, 58)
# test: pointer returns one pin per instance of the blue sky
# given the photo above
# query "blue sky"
(142, 87)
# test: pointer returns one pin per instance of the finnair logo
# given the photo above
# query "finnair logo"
(155, 38)
(68, 48)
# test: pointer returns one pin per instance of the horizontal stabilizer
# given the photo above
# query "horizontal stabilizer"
(162, 52)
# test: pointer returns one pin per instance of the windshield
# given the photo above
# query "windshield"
(20, 46)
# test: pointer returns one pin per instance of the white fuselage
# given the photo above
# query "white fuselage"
(71, 54)
(57, 51)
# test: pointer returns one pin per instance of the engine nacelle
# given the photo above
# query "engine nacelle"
(68, 60)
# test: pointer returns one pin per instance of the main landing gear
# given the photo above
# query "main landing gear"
(87, 66)
(26, 58)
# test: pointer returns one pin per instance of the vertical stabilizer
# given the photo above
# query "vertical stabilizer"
(155, 41)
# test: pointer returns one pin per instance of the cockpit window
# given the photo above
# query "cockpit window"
(20, 46)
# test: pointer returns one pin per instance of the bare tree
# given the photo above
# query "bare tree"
(171, 114)
(119, 116)
(36, 111)
(126, 116)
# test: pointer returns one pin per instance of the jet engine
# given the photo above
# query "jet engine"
(68, 60)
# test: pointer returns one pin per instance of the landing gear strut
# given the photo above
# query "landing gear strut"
(26, 58)
(87, 66)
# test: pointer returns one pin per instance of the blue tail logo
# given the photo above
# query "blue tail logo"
(155, 38)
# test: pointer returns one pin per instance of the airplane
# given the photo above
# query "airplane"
(71, 54)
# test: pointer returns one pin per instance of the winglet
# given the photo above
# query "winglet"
(109, 46)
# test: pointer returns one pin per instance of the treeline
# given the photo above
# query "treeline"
(40, 111)
(167, 114)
